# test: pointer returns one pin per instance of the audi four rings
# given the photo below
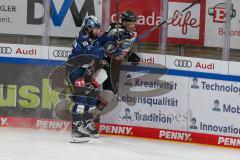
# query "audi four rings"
(5, 50)
(61, 53)
(183, 63)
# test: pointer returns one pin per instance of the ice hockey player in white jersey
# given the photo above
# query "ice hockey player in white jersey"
(126, 32)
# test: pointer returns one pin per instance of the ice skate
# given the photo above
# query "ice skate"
(92, 130)
(79, 134)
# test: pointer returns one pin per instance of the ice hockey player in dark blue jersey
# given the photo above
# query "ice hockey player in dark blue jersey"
(89, 40)
(86, 77)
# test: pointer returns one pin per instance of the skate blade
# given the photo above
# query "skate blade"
(79, 140)
(95, 136)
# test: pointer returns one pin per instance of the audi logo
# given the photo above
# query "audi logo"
(61, 53)
(183, 63)
(5, 50)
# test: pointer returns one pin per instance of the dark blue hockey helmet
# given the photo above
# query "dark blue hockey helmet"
(92, 22)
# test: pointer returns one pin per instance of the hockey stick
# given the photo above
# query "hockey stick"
(143, 36)
(164, 22)
(117, 20)
(157, 26)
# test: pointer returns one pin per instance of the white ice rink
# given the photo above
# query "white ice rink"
(27, 144)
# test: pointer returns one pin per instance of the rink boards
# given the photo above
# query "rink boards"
(168, 97)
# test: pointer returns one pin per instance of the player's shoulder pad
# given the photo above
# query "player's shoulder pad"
(113, 26)
(83, 36)
(110, 27)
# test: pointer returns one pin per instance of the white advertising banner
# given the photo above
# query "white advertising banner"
(150, 100)
(189, 63)
(218, 112)
(59, 53)
(234, 68)
(27, 16)
(23, 51)
(203, 105)
(152, 58)
(188, 25)
(215, 23)
(197, 64)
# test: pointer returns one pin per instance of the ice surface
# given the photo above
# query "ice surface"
(29, 144)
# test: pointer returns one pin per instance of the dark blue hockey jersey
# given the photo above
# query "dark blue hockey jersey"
(84, 44)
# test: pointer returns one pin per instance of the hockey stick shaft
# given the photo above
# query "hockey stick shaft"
(69, 84)
(117, 14)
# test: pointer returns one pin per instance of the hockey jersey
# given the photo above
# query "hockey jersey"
(85, 44)
(123, 34)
